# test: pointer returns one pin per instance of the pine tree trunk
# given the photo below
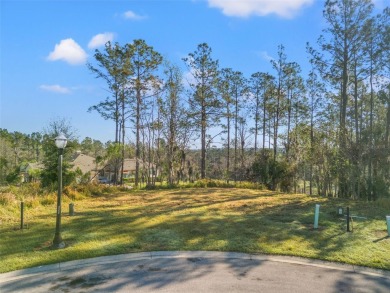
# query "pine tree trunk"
(203, 138)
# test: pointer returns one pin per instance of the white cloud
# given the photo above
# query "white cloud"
(264, 55)
(188, 79)
(55, 88)
(132, 15)
(246, 8)
(69, 51)
(100, 40)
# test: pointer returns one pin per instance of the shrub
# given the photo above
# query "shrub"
(27, 190)
(73, 194)
(32, 202)
(29, 193)
(7, 198)
(205, 183)
(94, 189)
(383, 203)
(273, 173)
(250, 185)
(155, 187)
(13, 177)
(48, 199)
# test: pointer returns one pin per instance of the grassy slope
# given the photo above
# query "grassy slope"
(243, 220)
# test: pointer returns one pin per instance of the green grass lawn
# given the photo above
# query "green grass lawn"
(213, 219)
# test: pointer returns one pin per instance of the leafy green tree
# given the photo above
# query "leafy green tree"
(279, 66)
(5, 155)
(233, 87)
(144, 61)
(226, 91)
(380, 118)
(129, 73)
(239, 87)
(262, 86)
(49, 175)
(17, 143)
(272, 173)
(111, 68)
(116, 68)
(3, 169)
(113, 158)
(174, 120)
(36, 138)
(343, 36)
(16, 149)
(204, 101)
(315, 92)
(92, 147)
(294, 102)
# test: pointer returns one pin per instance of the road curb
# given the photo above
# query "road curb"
(64, 266)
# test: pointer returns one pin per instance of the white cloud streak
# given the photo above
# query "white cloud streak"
(100, 40)
(55, 88)
(188, 79)
(246, 8)
(264, 55)
(133, 16)
(69, 51)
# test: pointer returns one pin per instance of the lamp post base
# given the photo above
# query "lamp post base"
(58, 245)
(58, 242)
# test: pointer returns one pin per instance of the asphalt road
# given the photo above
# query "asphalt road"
(196, 272)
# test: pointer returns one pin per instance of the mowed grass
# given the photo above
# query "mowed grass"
(212, 219)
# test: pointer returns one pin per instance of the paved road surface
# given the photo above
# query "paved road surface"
(196, 272)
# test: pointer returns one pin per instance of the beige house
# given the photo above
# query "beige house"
(30, 172)
(108, 172)
(86, 164)
(103, 173)
(129, 168)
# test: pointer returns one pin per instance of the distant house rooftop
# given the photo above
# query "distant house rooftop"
(26, 173)
(83, 162)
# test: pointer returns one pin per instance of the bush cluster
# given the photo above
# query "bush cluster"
(209, 183)
(90, 189)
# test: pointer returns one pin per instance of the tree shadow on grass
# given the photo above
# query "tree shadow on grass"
(381, 239)
(242, 230)
(211, 220)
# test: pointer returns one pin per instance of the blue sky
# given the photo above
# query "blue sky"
(45, 45)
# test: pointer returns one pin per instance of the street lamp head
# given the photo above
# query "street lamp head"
(61, 141)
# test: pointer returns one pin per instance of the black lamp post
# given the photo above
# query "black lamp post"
(61, 144)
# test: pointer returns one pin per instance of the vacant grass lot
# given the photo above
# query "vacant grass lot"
(214, 219)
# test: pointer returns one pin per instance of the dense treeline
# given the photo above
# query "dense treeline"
(19, 149)
(327, 133)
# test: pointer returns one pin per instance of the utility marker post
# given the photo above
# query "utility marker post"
(348, 219)
(316, 216)
(21, 215)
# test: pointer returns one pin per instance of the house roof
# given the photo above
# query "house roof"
(84, 162)
(29, 166)
(129, 165)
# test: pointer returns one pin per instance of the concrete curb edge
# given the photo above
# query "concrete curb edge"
(59, 267)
